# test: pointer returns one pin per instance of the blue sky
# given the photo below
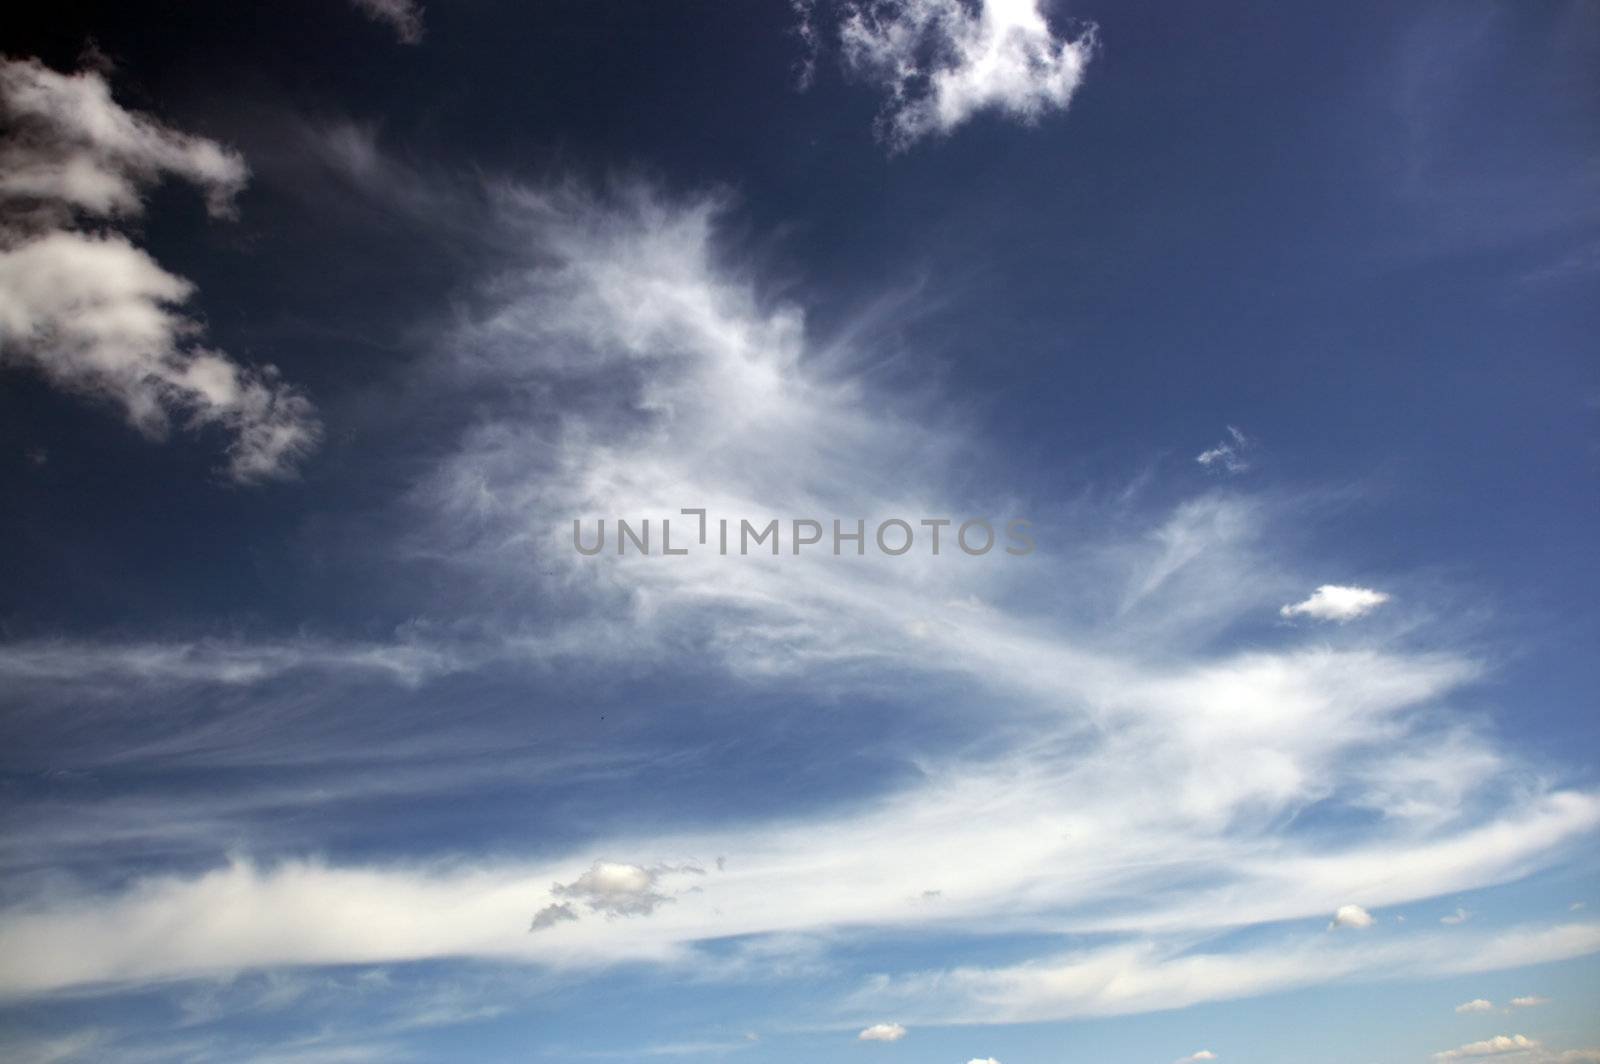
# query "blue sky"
(321, 325)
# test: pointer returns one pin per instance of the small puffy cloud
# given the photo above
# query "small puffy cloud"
(882, 1032)
(1332, 602)
(1460, 916)
(614, 889)
(983, 1060)
(97, 316)
(1490, 1047)
(1230, 455)
(551, 915)
(403, 16)
(1476, 1005)
(943, 61)
(1351, 916)
(1192, 1058)
(1529, 1002)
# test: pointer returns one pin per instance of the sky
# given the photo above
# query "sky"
(1213, 391)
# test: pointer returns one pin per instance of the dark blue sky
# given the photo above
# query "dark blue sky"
(593, 259)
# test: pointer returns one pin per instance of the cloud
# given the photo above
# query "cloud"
(1460, 916)
(614, 889)
(70, 147)
(983, 1060)
(403, 16)
(1531, 1001)
(1230, 455)
(617, 357)
(551, 915)
(1490, 1047)
(99, 317)
(1141, 976)
(160, 665)
(1476, 1005)
(882, 1032)
(944, 61)
(1351, 916)
(1331, 602)
(1193, 1058)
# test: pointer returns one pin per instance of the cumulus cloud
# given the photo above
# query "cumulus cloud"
(1193, 1058)
(882, 1032)
(1231, 455)
(70, 147)
(1490, 1047)
(1476, 1005)
(983, 1060)
(1331, 602)
(1351, 916)
(944, 61)
(1529, 1002)
(402, 16)
(613, 889)
(94, 314)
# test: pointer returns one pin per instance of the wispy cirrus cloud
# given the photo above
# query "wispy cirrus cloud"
(402, 16)
(1231, 455)
(616, 359)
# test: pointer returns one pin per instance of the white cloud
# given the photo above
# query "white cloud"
(1528, 1002)
(983, 1060)
(1230, 455)
(1351, 916)
(882, 1032)
(943, 61)
(402, 16)
(1476, 1005)
(1499, 1045)
(74, 662)
(1141, 976)
(627, 366)
(71, 147)
(1331, 602)
(1194, 1058)
(1460, 916)
(614, 889)
(96, 315)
